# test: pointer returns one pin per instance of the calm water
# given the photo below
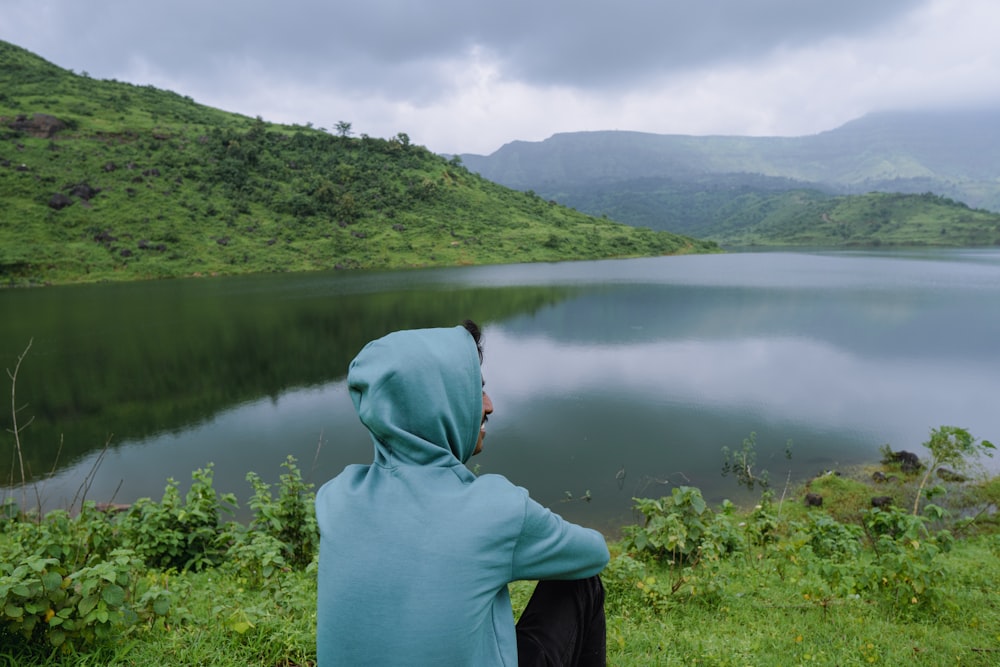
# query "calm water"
(621, 378)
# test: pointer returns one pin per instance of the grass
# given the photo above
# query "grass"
(760, 620)
(763, 619)
(757, 606)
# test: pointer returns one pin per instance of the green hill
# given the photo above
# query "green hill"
(740, 209)
(955, 154)
(877, 219)
(105, 180)
(733, 189)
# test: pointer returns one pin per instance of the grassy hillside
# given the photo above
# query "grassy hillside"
(742, 209)
(872, 220)
(104, 180)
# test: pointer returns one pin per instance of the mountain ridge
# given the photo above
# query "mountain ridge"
(913, 177)
(950, 153)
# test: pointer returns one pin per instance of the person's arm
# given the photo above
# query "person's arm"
(552, 548)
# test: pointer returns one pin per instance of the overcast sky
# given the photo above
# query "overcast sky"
(467, 76)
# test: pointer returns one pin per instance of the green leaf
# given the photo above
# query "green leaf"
(36, 606)
(641, 540)
(161, 606)
(114, 595)
(87, 604)
(52, 581)
(241, 626)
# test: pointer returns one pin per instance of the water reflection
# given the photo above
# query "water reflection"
(118, 363)
(618, 378)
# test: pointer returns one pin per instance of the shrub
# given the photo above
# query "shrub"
(681, 527)
(58, 589)
(283, 533)
(905, 570)
(179, 535)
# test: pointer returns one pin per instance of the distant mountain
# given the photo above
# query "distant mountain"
(686, 183)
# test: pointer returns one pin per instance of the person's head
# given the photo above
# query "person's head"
(420, 394)
(477, 336)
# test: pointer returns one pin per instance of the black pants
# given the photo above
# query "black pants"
(563, 625)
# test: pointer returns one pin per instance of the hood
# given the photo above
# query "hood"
(420, 394)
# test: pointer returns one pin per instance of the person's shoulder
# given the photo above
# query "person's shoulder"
(499, 483)
(346, 478)
(498, 495)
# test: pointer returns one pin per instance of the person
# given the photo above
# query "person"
(416, 551)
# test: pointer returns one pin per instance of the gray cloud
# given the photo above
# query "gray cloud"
(401, 46)
(468, 75)
(623, 42)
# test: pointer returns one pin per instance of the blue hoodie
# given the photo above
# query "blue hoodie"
(415, 551)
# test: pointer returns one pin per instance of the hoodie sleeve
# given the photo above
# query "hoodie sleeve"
(550, 547)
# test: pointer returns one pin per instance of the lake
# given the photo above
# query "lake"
(610, 379)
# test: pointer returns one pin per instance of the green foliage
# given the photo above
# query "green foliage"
(178, 535)
(845, 552)
(673, 527)
(826, 537)
(883, 590)
(291, 517)
(63, 585)
(900, 568)
(283, 534)
(952, 446)
(843, 497)
(682, 528)
(906, 569)
(741, 464)
(888, 558)
(782, 214)
(75, 583)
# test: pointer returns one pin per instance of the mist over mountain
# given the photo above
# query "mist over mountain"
(955, 150)
(683, 182)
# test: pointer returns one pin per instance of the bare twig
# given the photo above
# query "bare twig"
(40, 487)
(16, 430)
(84, 488)
(319, 446)
(781, 500)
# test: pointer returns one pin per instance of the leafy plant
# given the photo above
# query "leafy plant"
(952, 446)
(681, 527)
(283, 532)
(742, 463)
(56, 591)
(175, 534)
(906, 568)
(828, 538)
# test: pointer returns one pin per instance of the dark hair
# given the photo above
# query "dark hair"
(477, 336)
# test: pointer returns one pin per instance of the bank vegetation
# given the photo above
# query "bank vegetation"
(839, 570)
